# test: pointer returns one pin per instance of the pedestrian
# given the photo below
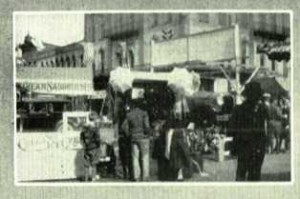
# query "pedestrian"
(137, 128)
(275, 124)
(270, 146)
(285, 135)
(196, 142)
(159, 149)
(90, 140)
(248, 125)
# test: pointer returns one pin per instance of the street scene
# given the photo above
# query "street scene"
(152, 97)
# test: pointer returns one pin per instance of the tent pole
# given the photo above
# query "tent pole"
(238, 63)
(254, 73)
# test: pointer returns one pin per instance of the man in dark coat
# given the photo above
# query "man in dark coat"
(248, 125)
(137, 128)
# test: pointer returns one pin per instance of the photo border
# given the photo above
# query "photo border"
(159, 183)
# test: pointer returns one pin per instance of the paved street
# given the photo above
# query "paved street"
(276, 167)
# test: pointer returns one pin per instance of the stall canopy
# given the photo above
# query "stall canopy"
(270, 85)
(179, 80)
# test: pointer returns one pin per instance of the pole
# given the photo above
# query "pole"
(151, 45)
(238, 63)
(251, 77)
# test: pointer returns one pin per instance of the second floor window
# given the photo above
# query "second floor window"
(262, 59)
(203, 18)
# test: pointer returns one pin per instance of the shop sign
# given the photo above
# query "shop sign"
(46, 141)
(58, 87)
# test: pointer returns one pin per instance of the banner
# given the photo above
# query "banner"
(209, 46)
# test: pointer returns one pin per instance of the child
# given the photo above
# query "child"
(90, 140)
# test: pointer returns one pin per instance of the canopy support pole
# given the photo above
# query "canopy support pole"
(254, 73)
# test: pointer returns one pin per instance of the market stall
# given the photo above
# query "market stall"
(48, 129)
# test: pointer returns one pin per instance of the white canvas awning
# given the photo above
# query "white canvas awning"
(181, 79)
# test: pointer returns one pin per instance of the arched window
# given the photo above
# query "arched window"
(57, 62)
(81, 60)
(52, 63)
(62, 61)
(262, 59)
(102, 61)
(74, 61)
(119, 58)
(131, 59)
(42, 64)
(68, 62)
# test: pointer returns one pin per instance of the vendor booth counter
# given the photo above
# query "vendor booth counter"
(46, 156)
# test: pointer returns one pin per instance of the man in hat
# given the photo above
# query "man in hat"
(248, 126)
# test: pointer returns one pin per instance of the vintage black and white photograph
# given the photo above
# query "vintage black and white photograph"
(152, 97)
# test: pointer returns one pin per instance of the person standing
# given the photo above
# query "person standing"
(248, 126)
(90, 140)
(196, 146)
(136, 126)
(275, 124)
(285, 135)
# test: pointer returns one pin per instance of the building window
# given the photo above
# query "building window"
(244, 52)
(223, 19)
(163, 18)
(262, 60)
(42, 64)
(57, 62)
(182, 18)
(119, 58)
(73, 61)
(170, 17)
(273, 65)
(244, 20)
(62, 61)
(203, 18)
(81, 60)
(68, 62)
(131, 59)
(155, 20)
(102, 60)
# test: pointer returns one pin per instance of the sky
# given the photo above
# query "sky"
(55, 28)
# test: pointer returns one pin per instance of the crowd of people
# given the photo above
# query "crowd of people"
(177, 143)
